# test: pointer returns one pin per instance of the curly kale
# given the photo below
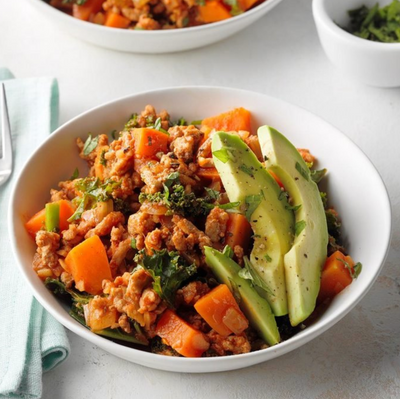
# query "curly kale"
(168, 270)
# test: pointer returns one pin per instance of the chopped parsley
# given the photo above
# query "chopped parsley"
(293, 208)
(354, 271)
(248, 273)
(252, 202)
(222, 154)
(378, 24)
(317, 175)
(103, 160)
(299, 227)
(90, 144)
(244, 168)
(268, 258)
(157, 126)
(75, 175)
(93, 191)
(302, 171)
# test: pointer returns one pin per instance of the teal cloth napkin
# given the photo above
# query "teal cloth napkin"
(31, 340)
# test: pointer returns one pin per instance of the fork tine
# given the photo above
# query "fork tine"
(6, 159)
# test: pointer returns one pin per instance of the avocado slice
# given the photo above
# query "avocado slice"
(304, 261)
(246, 180)
(256, 308)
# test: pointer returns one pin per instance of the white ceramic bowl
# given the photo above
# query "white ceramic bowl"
(373, 63)
(366, 222)
(161, 41)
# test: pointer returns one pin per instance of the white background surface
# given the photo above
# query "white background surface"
(280, 56)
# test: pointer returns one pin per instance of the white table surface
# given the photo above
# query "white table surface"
(281, 56)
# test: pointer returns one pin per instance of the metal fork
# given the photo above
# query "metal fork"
(6, 161)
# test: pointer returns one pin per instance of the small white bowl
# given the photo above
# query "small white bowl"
(366, 222)
(152, 42)
(372, 63)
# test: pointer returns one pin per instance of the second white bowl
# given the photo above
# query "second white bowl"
(372, 63)
(152, 42)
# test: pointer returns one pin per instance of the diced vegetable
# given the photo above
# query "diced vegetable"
(38, 221)
(235, 120)
(336, 275)
(100, 317)
(213, 11)
(208, 173)
(52, 216)
(85, 10)
(181, 336)
(221, 311)
(88, 264)
(148, 142)
(254, 144)
(116, 21)
(238, 231)
(246, 4)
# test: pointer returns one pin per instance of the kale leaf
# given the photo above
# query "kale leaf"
(168, 270)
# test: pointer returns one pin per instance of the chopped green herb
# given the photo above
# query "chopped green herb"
(235, 8)
(302, 171)
(357, 268)
(355, 271)
(244, 168)
(178, 201)
(132, 122)
(90, 144)
(75, 175)
(222, 155)
(324, 199)
(248, 273)
(252, 202)
(199, 121)
(228, 252)
(93, 191)
(293, 208)
(171, 179)
(299, 227)
(317, 175)
(268, 258)
(113, 134)
(283, 195)
(379, 24)
(214, 194)
(133, 243)
(103, 160)
(157, 126)
(229, 205)
(180, 122)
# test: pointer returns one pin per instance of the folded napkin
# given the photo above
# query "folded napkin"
(31, 340)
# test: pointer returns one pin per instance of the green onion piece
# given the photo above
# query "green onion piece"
(53, 217)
